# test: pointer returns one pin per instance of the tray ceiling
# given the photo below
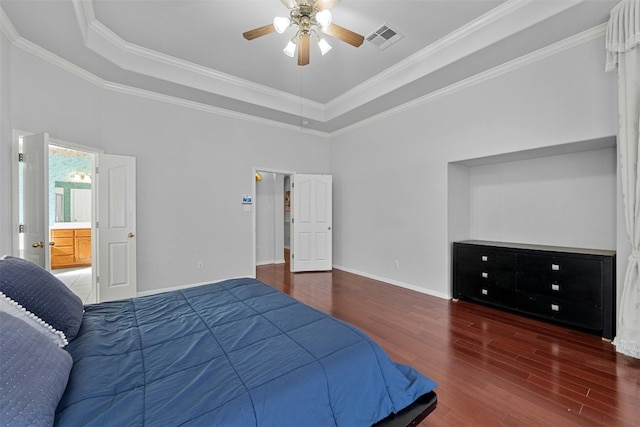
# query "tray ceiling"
(192, 51)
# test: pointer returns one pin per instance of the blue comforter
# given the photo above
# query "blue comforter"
(235, 353)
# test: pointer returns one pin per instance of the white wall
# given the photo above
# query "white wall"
(394, 200)
(5, 148)
(563, 200)
(391, 177)
(192, 167)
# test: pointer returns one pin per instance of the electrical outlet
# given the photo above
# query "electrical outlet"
(200, 265)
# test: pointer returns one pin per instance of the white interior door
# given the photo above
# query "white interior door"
(311, 223)
(116, 240)
(35, 199)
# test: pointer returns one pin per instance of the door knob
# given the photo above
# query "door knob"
(329, 228)
(52, 243)
(37, 245)
(130, 235)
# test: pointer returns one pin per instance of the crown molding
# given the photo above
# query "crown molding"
(14, 37)
(132, 57)
(155, 96)
(495, 25)
(507, 67)
(7, 27)
(56, 60)
(85, 13)
(73, 69)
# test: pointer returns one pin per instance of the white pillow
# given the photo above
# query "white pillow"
(9, 306)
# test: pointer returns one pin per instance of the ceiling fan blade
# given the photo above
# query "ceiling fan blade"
(325, 4)
(289, 3)
(303, 49)
(347, 36)
(258, 32)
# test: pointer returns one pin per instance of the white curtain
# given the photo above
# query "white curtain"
(623, 53)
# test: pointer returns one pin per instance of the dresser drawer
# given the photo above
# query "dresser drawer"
(476, 277)
(491, 294)
(62, 241)
(57, 232)
(573, 290)
(62, 250)
(83, 232)
(486, 258)
(63, 260)
(569, 269)
(588, 316)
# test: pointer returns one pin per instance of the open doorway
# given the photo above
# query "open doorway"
(272, 217)
(111, 247)
(64, 205)
(70, 212)
(310, 237)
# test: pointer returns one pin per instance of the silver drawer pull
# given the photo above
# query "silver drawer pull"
(555, 267)
(485, 292)
(485, 258)
(555, 287)
(555, 307)
(485, 275)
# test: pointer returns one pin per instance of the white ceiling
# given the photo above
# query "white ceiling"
(193, 52)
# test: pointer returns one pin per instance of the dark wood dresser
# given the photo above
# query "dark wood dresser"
(572, 286)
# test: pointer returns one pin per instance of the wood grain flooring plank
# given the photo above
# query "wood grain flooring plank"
(494, 368)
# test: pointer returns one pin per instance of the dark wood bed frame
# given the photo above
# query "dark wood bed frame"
(413, 414)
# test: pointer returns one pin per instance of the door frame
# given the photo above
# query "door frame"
(16, 135)
(253, 209)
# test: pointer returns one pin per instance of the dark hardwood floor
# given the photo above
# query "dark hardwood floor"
(494, 368)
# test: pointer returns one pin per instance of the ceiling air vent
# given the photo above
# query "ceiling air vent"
(384, 37)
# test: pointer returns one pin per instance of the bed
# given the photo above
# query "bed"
(233, 353)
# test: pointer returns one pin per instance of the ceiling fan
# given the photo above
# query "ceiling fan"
(312, 17)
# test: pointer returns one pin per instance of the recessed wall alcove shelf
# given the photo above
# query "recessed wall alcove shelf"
(558, 196)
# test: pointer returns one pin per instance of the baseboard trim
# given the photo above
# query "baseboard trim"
(277, 261)
(394, 282)
(337, 267)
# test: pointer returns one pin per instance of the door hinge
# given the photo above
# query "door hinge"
(293, 256)
(20, 228)
(20, 157)
(97, 224)
(292, 221)
(97, 170)
(293, 184)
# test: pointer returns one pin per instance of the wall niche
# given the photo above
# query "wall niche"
(564, 195)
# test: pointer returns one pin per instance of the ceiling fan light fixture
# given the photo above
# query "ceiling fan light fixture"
(324, 46)
(281, 23)
(290, 48)
(311, 18)
(324, 18)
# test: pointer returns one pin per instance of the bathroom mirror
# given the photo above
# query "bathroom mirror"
(72, 202)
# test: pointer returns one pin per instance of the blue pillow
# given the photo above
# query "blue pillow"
(34, 374)
(9, 306)
(41, 293)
